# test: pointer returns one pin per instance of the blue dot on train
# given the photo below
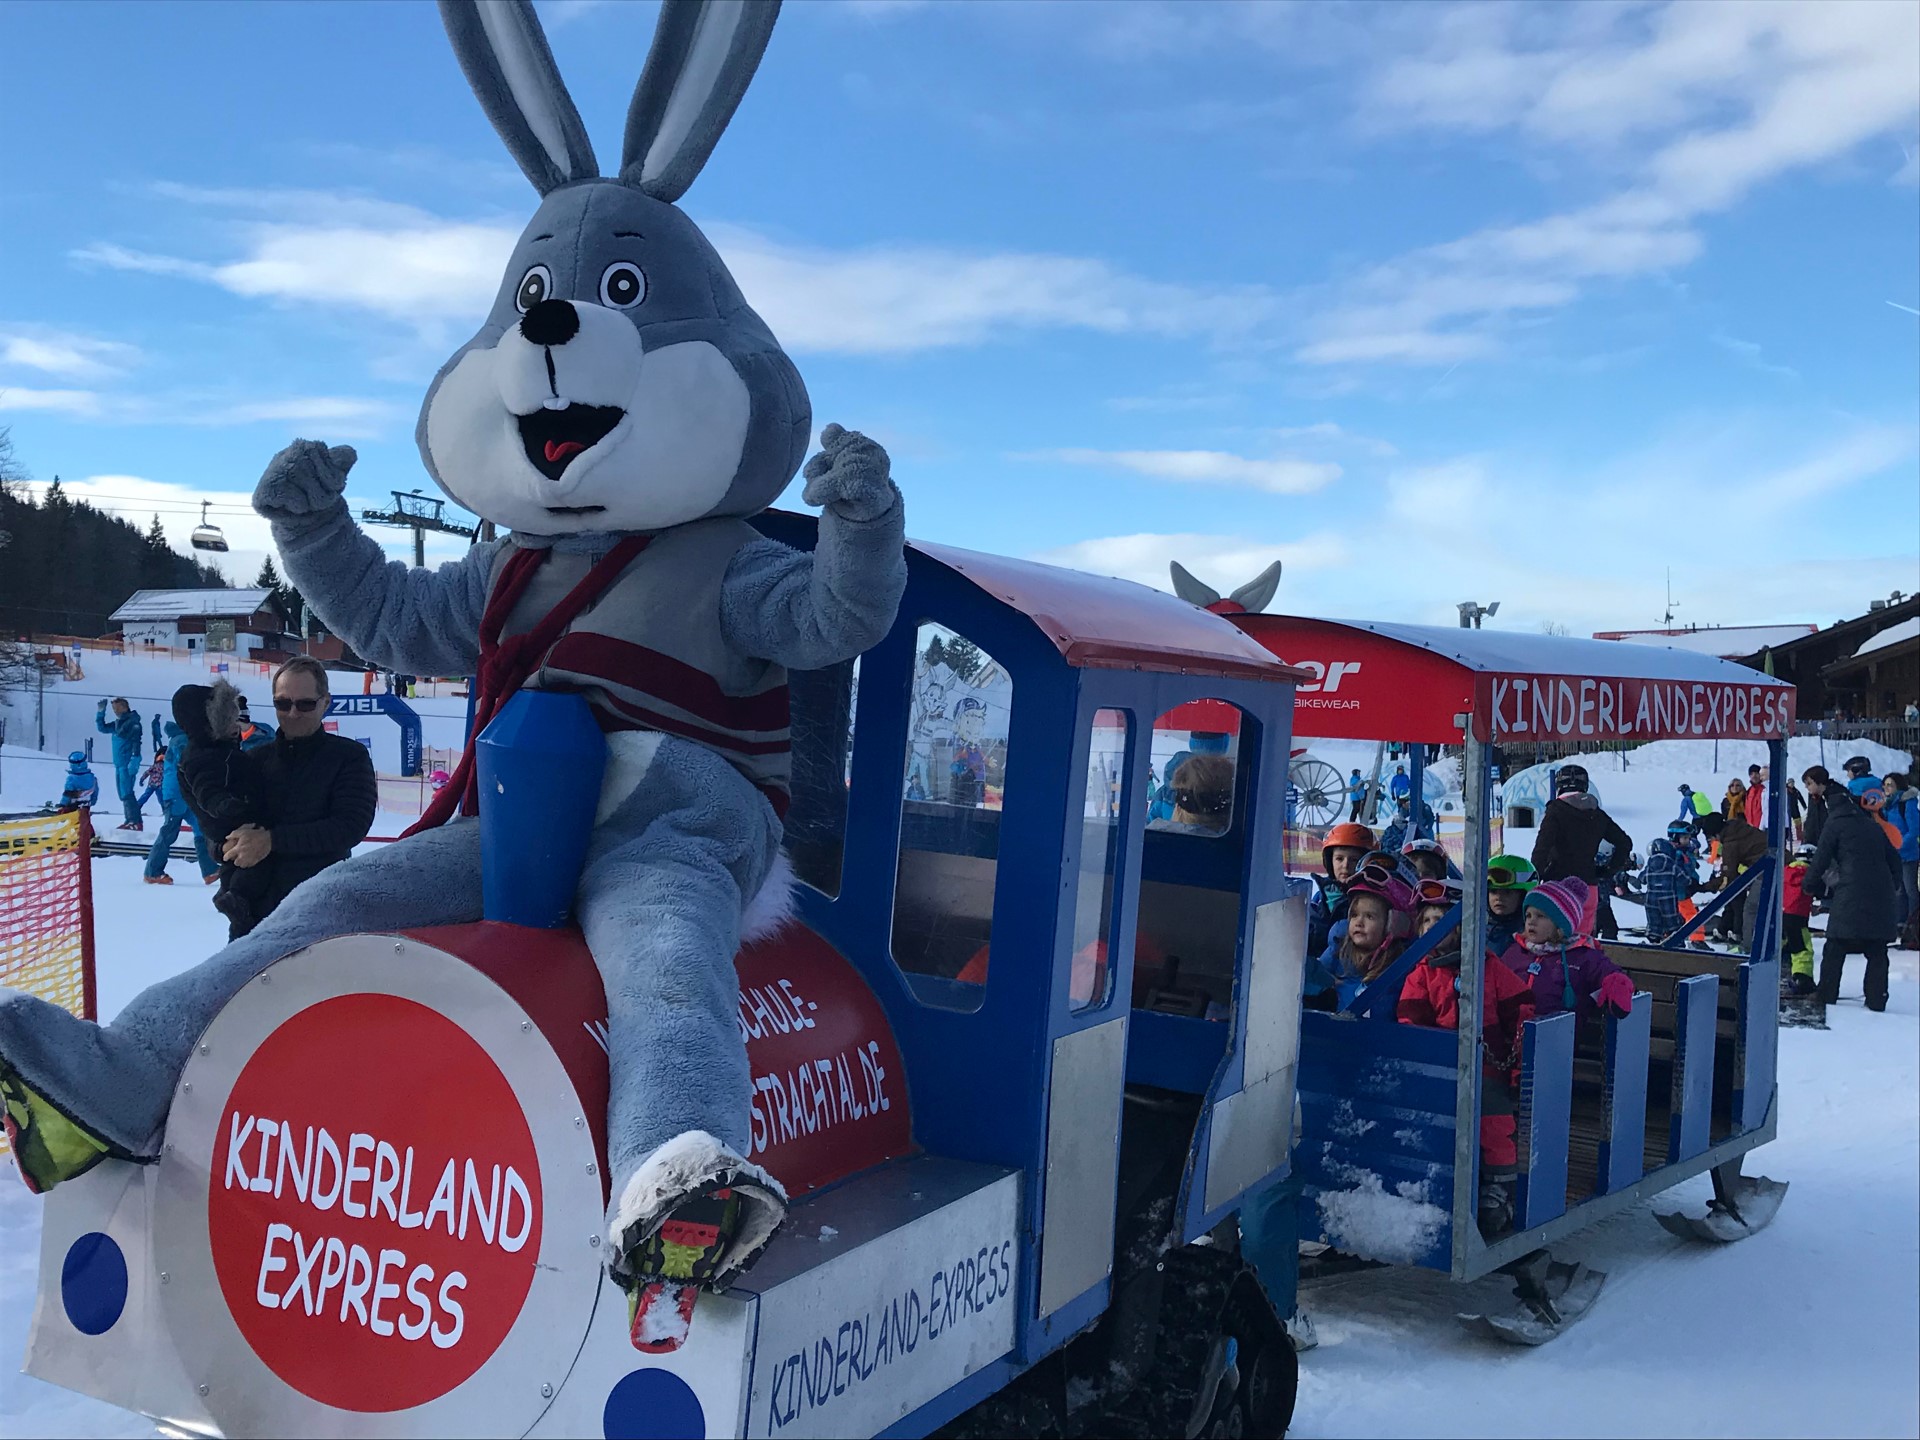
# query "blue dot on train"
(93, 1283)
(653, 1405)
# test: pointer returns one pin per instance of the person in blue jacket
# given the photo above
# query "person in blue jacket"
(173, 813)
(128, 738)
(1160, 807)
(81, 787)
(253, 733)
(1902, 811)
(1356, 794)
(1400, 787)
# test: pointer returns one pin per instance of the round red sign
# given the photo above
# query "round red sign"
(374, 1205)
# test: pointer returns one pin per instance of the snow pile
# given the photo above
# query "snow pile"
(1368, 1222)
(1696, 760)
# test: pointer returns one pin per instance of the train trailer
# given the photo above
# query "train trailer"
(1610, 1111)
(1020, 1060)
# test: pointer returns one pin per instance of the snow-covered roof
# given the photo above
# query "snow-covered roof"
(176, 604)
(1891, 636)
(1727, 642)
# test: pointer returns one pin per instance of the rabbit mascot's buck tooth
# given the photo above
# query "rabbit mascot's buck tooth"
(622, 412)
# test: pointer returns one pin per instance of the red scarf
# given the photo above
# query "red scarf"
(505, 665)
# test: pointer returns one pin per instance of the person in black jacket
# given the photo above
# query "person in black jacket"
(1816, 779)
(317, 789)
(1568, 845)
(1856, 872)
(216, 780)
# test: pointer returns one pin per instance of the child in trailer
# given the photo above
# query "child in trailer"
(1427, 857)
(1509, 878)
(1431, 997)
(1796, 909)
(1346, 845)
(1361, 947)
(1556, 956)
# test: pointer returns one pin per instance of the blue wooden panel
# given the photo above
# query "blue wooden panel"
(1425, 1088)
(1417, 1134)
(1623, 1119)
(1545, 1114)
(1174, 1052)
(1322, 1031)
(1756, 1043)
(1696, 1004)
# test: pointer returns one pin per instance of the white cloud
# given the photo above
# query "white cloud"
(1751, 354)
(1696, 105)
(431, 273)
(63, 402)
(898, 299)
(64, 353)
(1280, 476)
(1597, 561)
(346, 417)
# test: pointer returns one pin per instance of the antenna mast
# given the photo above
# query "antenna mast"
(1666, 621)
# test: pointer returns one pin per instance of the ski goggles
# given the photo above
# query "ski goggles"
(1439, 892)
(1503, 877)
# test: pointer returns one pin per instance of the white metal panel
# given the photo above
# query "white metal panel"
(1252, 1130)
(1083, 1161)
(895, 1316)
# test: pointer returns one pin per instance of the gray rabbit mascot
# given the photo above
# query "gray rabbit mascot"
(622, 412)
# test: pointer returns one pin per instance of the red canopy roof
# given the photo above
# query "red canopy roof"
(1097, 622)
(1376, 680)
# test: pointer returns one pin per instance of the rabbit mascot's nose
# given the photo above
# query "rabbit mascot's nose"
(551, 322)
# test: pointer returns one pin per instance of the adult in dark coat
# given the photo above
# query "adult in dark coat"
(1568, 845)
(1816, 780)
(1857, 873)
(318, 790)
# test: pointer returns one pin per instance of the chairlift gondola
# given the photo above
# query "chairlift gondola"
(207, 536)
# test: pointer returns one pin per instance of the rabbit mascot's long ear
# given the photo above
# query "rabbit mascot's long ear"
(621, 382)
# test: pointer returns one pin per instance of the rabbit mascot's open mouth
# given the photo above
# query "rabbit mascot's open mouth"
(621, 413)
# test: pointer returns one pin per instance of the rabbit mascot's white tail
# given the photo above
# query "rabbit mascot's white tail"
(620, 414)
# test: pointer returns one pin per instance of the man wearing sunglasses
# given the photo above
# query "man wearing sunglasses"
(318, 789)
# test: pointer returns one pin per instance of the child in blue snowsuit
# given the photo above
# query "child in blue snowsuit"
(81, 788)
(1670, 876)
(128, 737)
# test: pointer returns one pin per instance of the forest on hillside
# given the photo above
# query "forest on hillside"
(65, 566)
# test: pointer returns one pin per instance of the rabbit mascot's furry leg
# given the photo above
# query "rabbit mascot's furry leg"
(622, 412)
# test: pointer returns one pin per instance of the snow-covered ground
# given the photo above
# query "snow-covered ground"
(67, 708)
(1810, 1328)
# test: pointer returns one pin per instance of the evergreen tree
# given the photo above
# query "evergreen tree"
(287, 600)
(963, 657)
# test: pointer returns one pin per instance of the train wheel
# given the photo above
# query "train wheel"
(1322, 794)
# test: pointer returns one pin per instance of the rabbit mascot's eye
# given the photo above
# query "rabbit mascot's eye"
(623, 286)
(534, 287)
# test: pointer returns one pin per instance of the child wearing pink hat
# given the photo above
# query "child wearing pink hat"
(1556, 955)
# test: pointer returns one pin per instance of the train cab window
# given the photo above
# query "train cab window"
(1193, 862)
(816, 822)
(1107, 761)
(951, 796)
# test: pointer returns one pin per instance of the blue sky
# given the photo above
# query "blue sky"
(1433, 302)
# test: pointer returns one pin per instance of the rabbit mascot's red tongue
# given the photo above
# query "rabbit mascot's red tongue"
(621, 412)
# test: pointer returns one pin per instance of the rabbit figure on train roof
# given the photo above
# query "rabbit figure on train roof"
(622, 411)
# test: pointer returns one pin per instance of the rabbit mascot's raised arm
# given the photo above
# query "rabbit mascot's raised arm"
(621, 412)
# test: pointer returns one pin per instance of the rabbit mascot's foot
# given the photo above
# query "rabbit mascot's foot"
(59, 1078)
(691, 1218)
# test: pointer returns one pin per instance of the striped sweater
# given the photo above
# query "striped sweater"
(652, 653)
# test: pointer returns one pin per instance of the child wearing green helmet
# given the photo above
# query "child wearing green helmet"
(1509, 878)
